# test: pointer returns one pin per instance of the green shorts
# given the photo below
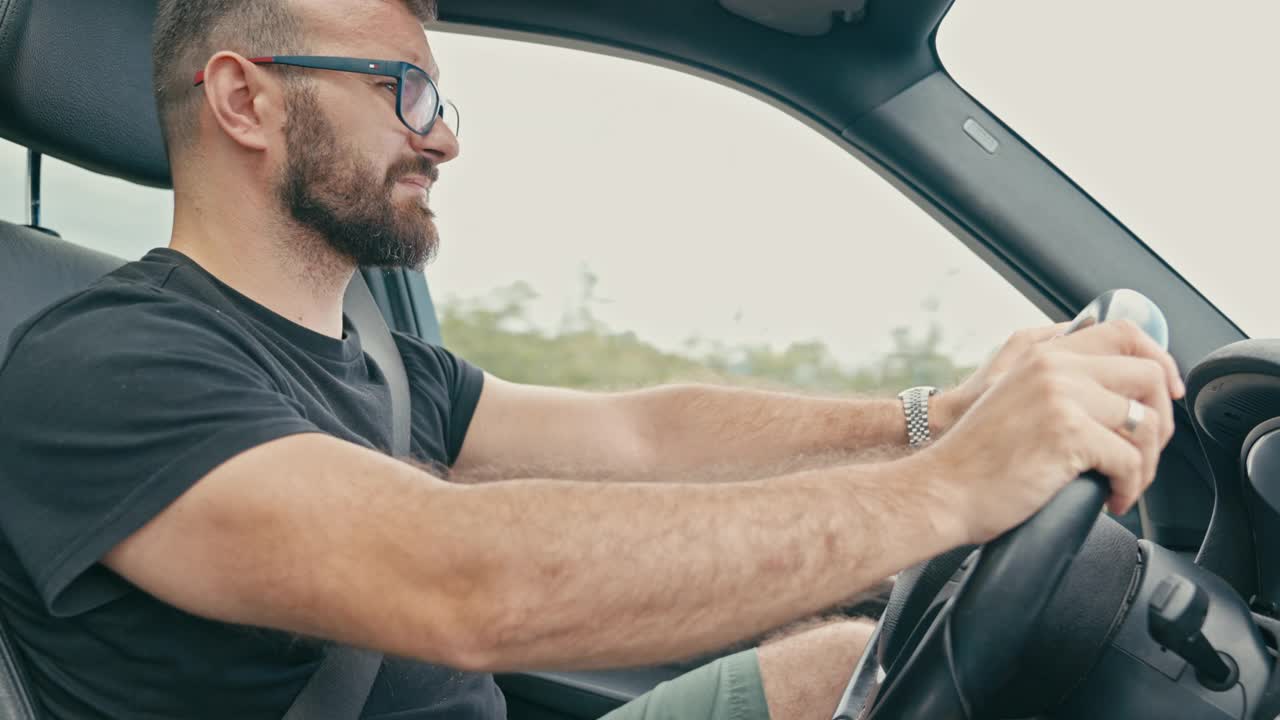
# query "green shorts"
(726, 689)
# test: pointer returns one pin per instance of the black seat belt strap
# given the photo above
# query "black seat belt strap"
(339, 688)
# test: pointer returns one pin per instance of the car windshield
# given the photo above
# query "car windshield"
(1165, 114)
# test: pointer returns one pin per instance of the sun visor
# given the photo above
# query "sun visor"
(75, 84)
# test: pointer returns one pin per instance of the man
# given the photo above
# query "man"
(195, 468)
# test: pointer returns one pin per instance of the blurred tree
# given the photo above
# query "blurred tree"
(496, 333)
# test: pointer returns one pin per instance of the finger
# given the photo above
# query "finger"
(1025, 338)
(1123, 337)
(1116, 458)
(1110, 410)
(1138, 378)
(1032, 335)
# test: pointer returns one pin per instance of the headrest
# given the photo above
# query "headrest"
(75, 84)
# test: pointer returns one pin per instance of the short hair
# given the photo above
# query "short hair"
(188, 32)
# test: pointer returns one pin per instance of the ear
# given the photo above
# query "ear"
(246, 102)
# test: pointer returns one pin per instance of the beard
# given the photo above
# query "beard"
(329, 189)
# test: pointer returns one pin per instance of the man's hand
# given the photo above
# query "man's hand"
(1056, 413)
(949, 406)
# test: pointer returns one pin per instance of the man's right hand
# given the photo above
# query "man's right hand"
(1058, 413)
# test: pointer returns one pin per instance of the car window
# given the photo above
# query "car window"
(104, 213)
(594, 238)
(1165, 114)
(612, 224)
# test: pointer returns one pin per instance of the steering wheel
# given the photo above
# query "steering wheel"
(970, 649)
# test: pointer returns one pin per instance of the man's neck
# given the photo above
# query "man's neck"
(291, 272)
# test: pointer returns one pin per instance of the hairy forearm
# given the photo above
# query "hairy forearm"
(709, 429)
(316, 536)
(574, 575)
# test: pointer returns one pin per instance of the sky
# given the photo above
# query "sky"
(704, 212)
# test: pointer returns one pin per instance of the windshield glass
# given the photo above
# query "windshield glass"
(1166, 114)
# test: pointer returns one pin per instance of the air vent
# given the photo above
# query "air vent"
(1247, 404)
(809, 18)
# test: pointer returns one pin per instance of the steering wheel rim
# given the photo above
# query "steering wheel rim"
(969, 651)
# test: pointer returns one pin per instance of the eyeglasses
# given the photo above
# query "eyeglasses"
(418, 101)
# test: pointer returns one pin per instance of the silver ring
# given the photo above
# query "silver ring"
(1137, 411)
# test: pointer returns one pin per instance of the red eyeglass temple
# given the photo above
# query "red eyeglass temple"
(255, 60)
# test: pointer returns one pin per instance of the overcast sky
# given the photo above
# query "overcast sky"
(705, 212)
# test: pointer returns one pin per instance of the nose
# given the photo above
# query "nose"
(441, 145)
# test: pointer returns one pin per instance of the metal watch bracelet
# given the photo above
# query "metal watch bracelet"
(915, 406)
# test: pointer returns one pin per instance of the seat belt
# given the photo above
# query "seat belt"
(376, 341)
(339, 688)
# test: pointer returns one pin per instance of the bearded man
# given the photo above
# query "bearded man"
(199, 497)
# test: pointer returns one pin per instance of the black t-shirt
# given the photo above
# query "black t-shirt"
(115, 401)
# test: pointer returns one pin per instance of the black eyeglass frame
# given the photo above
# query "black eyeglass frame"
(397, 69)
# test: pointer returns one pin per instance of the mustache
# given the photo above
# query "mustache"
(416, 165)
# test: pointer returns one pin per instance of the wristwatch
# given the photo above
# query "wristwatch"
(915, 405)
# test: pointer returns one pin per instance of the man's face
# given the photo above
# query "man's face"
(353, 172)
(339, 192)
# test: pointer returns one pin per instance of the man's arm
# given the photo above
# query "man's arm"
(670, 433)
(317, 536)
(698, 432)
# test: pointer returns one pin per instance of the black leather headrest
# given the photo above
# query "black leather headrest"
(75, 84)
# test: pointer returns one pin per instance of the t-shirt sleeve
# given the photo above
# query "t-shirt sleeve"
(445, 390)
(110, 409)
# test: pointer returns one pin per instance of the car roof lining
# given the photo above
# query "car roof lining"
(799, 17)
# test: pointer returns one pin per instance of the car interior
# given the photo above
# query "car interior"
(1167, 614)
